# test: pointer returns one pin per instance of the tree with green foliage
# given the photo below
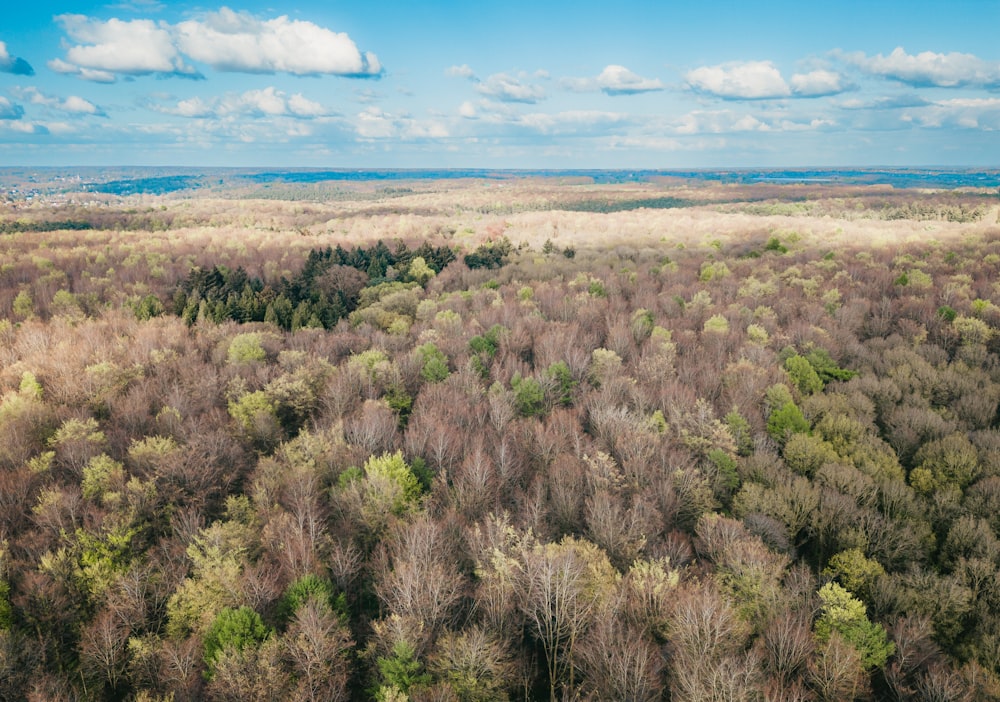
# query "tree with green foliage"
(529, 396)
(256, 414)
(562, 376)
(845, 614)
(235, 629)
(390, 485)
(786, 421)
(803, 375)
(311, 587)
(246, 348)
(400, 671)
(435, 363)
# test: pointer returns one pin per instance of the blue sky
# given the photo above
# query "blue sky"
(582, 84)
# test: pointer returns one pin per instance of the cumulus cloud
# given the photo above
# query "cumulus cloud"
(750, 80)
(13, 64)
(818, 83)
(10, 110)
(225, 40)
(928, 69)
(95, 76)
(237, 41)
(508, 88)
(613, 80)
(73, 105)
(761, 80)
(134, 47)
(618, 80)
(269, 102)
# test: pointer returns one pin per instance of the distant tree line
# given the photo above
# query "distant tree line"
(19, 225)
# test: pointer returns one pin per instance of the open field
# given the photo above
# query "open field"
(498, 438)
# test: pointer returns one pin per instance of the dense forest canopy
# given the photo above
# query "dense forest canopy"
(460, 441)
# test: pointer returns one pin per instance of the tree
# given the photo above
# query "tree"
(529, 397)
(844, 614)
(311, 587)
(420, 581)
(786, 421)
(620, 663)
(475, 665)
(390, 485)
(104, 649)
(400, 671)
(836, 672)
(235, 629)
(318, 645)
(566, 584)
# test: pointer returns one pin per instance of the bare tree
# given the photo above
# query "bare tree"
(317, 644)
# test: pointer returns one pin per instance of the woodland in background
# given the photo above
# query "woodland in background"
(464, 442)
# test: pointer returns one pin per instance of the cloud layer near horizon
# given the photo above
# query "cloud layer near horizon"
(512, 90)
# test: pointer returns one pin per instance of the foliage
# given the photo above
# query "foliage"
(678, 464)
(529, 397)
(435, 363)
(845, 614)
(490, 255)
(401, 670)
(786, 421)
(235, 629)
(803, 375)
(311, 587)
(390, 478)
(246, 348)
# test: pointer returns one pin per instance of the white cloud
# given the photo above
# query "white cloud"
(374, 123)
(60, 66)
(507, 88)
(961, 113)
(729, 121)
(613, 80)
(570, 121)
(462, 71)
(750, 80)
(193, 107)
(301, 106)
(237, 41)
(467, 110)
(133, 47)
(618, 80)
(818, 83)
(13, 64)
(10, 110)
(660, 143)
(73, 104)
(256, 104)
(928, 69)
(225, 40)
(890, 102)
(506, 117)
(21, 126)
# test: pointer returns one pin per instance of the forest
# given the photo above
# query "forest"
(466, 440)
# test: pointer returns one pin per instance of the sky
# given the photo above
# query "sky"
(513, 84)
